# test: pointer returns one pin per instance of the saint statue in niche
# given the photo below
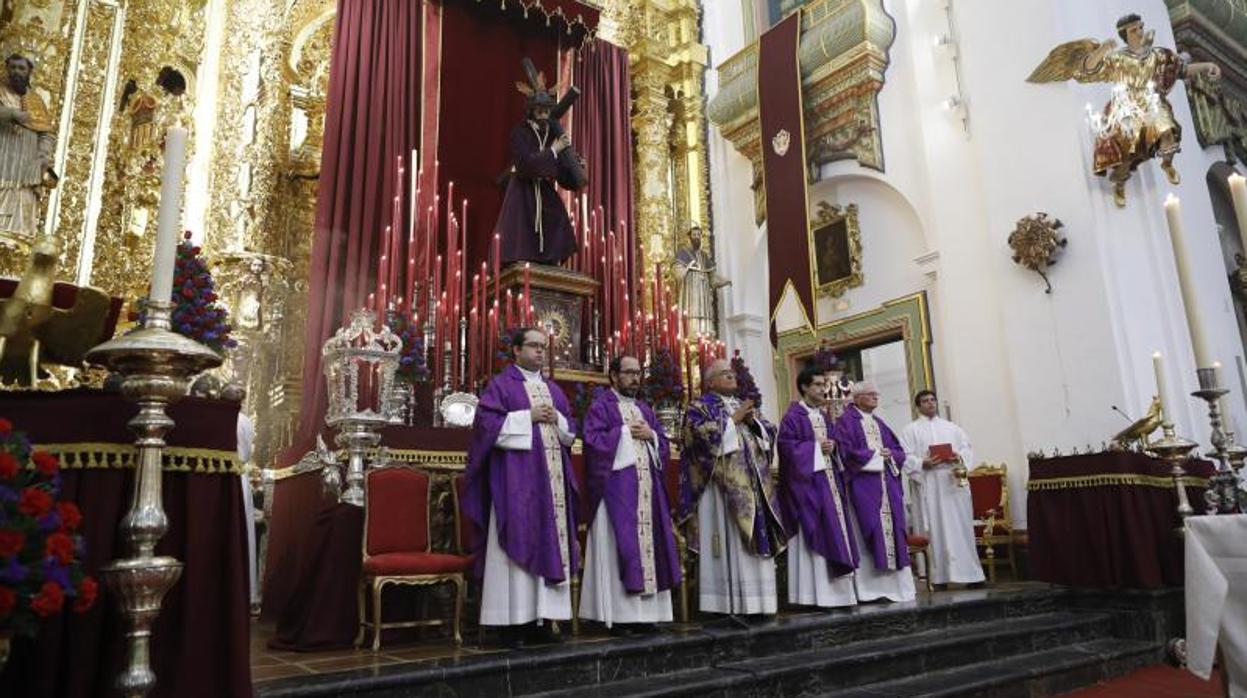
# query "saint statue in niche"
(1137, 124)
(533, 225)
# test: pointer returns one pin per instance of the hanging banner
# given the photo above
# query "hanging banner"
(784, 166)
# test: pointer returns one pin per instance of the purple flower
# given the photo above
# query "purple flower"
(12, 572)
(56, 572)
(51, 522)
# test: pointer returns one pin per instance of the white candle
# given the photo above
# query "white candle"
(1158, 367)
(167, 221)
(1186, 280)
(1238, 192)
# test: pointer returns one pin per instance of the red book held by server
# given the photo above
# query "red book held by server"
(941, 452)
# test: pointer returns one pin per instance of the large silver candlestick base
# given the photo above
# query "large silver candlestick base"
(157, 365)
(359, 439)
(1222, 495)
(1174, 450)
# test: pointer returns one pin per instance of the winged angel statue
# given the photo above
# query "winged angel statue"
(1137, 124)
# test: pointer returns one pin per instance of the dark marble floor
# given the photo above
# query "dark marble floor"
(408, 647)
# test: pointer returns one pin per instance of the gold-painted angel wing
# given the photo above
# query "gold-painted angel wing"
(1064, 62)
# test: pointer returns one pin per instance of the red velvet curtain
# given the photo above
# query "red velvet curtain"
(602, 132)
(372, 117)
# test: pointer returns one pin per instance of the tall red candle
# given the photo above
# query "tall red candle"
(497, 266)
(528, 291)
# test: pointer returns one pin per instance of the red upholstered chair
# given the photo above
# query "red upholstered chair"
(397, 548)
(919, 544)
(989, 491)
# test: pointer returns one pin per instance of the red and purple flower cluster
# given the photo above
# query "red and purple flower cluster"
(663, 387)
(196, 313)
(413, 364)
(746, 387)
(40, 548)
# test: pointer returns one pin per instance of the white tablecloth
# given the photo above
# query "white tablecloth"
(1216, 597)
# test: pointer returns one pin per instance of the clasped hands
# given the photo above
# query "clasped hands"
(545, 413)
(827, 446)
(745, 411)
(641, 431)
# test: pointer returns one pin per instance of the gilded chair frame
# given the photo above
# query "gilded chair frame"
(996, 516)
(377, 583)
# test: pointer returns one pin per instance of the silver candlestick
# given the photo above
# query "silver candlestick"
(156, 364)
(1175, 450)
(1222, 495)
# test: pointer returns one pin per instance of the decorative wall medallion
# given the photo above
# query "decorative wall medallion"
(781, 141)
(1035, 243)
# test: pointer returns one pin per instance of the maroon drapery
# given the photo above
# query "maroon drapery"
(783, 166)
(201, 640)
(602, 131)
(1114, 533)
(372, 117)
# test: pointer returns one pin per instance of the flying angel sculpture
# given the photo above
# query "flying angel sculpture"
(1137, 124)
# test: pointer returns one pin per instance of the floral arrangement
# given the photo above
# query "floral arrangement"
(40, 549)
(825, 359)
(746, 387)
(413, 365)
(663, 387)
(196, 313)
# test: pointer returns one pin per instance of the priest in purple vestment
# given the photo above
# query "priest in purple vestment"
(725, 478)
(533, 224)
(520, 496)
(821, 553)
(631, 561)
(872, 458)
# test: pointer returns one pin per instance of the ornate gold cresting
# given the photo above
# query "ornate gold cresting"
(1215, 31)
(843, 55)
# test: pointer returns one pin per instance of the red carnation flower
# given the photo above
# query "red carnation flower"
(49, 600)
(188, 292)
(61, 547)
(88, 589)
(8, 599)
(45, 462)
(71, 518)
(11, 542)
(34, 503)
(8, 465)
(5, 426)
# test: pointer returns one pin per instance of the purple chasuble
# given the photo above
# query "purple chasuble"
(808, 502)
(618, 491)
(744, 479)
(516, 484)
(533, 223)
(866, 489)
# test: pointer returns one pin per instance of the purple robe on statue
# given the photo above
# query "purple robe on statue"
(533, 224)
(745, 480)
(808, 502)
(617, 489)
(516, 484)
(865, 488)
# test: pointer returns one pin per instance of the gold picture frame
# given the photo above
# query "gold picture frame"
(835, 250)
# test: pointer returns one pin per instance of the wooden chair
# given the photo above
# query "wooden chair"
(920, 544)
(397, 547)
(993, 527)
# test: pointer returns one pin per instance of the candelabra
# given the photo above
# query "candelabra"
(1174, 450)
(595, 347)
(1223, 495)
(156, 365)
(465, 381)
(360, 359)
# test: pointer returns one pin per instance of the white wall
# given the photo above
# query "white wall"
(1023, 370)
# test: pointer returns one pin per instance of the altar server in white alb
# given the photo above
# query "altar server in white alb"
(934, 446)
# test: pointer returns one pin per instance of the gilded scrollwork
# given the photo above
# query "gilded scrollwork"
(1035, 243)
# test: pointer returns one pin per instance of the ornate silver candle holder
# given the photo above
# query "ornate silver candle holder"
(1174, 450)
(360, 361)
(157, 365)
(1223, 495)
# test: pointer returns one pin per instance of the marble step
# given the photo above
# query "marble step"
(858, 663)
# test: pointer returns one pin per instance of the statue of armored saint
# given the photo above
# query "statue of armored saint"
(699, 280)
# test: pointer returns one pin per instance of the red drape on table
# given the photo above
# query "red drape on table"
(372, 116)
(202, 638)
(602, 131)
(783, 165)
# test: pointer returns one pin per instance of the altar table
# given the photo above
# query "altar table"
(1108, 520)
(200, 645)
